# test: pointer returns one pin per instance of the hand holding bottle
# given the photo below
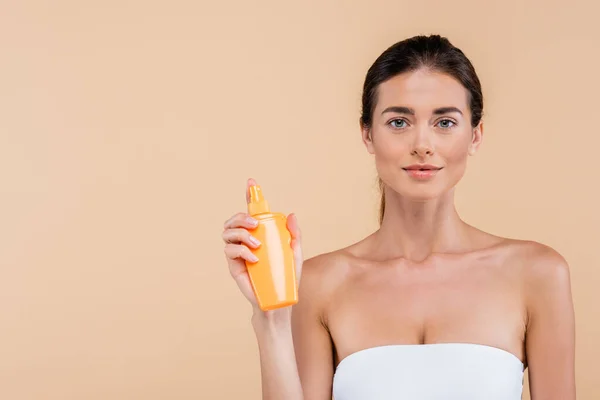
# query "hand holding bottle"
(267, 273)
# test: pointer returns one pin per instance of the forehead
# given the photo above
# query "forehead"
(422, 89)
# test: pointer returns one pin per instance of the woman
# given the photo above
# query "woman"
(426, 307)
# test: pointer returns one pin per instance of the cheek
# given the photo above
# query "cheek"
(457, 151)
(389, 154)
(388, 148)
(455, 157)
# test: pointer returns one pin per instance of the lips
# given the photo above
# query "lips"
(422, 167)
(422, 172)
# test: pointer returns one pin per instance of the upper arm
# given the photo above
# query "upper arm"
(550, 336)
(312, 342)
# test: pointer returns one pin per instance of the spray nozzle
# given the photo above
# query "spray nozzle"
(257, 203)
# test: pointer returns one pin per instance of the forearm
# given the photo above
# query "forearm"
(279, 372)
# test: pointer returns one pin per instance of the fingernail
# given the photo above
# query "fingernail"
(253, 258)
(254, 241)
(252, 221)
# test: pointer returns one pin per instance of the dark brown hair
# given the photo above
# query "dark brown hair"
(433, 52)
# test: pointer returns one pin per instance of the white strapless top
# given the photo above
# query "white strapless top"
(448, 371)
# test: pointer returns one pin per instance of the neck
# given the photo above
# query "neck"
(416, 229)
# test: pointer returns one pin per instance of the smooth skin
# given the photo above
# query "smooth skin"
(425, 276)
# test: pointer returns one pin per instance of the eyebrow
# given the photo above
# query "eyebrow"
(410, 111)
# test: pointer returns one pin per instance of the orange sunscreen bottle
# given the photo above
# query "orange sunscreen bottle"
(273, 276)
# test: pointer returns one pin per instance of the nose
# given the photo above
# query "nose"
(422, 146)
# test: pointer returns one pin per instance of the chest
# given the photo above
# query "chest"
(447, 302)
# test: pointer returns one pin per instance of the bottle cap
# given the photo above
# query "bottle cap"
(257, 203)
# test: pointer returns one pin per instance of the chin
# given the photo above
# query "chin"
(422, 191)
(421, 194)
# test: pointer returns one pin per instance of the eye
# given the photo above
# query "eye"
(398, 123)
(446, 123)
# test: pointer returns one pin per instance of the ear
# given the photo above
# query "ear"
(367, 138)
(476, 138)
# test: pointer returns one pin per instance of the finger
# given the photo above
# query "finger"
(237, 251)
(241, 220)
(228, 221)
(250, 182)
(296, 242)
(293, 227)
(240, 236)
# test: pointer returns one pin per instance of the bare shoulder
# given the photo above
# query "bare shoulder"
(538, 261)
(541, 268)
(321, 273)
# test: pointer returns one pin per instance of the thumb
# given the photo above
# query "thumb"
(296, 243)
(292, 225)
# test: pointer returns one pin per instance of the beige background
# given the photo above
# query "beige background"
(128, 128)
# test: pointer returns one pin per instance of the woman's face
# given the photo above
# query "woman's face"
(421, 133)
